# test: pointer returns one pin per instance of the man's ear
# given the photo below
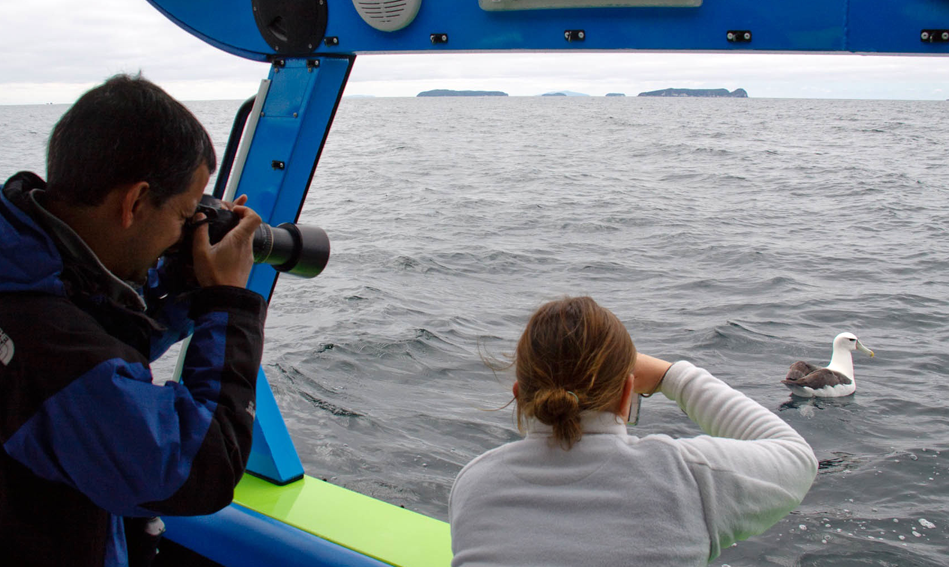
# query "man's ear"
(132, 200)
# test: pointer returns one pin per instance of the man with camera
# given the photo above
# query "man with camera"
(92, 450)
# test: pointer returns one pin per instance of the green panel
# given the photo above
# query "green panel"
(361, 523)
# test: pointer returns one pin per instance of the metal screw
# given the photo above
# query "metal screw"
(566, 35)
(924, 36)
(310, 45)
(444, 38)
(945, 36)
(730, 36)
(262, 114)
(747, 36)
(581, 35)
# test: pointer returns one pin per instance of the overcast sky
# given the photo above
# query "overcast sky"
(54, 50)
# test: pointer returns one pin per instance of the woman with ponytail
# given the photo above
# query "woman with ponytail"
(579, 490)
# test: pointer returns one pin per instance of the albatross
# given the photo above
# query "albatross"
(832, 381)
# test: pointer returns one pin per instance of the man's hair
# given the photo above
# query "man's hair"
(125, 131)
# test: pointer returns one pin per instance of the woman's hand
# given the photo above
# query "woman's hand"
(647, 373)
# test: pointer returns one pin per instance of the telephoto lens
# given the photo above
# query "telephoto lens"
(295, 249)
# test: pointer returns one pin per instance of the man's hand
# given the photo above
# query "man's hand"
(229, 261)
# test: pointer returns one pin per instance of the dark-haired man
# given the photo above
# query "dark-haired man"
(90, 449)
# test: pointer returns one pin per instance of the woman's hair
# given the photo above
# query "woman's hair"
(573, 356)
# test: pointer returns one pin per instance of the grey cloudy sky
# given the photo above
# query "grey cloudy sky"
(54, 50)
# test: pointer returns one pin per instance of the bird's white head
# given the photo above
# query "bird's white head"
(850, 342)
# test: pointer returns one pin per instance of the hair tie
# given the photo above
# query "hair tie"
(575, 396)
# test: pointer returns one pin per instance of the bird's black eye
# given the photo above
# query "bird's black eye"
(851, 340)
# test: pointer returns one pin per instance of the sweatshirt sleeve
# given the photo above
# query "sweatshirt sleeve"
(751, 469)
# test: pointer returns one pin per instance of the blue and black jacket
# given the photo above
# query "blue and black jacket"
(88, 441)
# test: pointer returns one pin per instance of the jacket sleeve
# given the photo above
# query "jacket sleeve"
(135, 448)
(168, 297)
(752, 468)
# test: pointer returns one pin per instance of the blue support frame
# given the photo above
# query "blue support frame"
(291, 131)
(272, 456)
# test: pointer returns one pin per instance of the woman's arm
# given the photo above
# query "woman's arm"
(751, 469)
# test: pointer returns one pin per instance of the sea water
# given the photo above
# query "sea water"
(739, 234)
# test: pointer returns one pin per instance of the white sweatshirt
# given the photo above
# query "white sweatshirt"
(616, 499)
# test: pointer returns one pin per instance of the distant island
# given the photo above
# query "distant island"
(564, 93)
(737, 93)
(447, 92)
(615, 94)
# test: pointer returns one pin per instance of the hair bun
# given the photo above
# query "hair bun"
(556, 406)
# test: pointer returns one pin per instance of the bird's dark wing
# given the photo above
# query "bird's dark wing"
(800, 369)
(817, 379)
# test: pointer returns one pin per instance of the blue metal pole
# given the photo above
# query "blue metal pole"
(295, 120)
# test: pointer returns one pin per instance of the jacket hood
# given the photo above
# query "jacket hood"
(29, 259)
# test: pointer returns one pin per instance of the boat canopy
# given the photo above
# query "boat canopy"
(264, 29)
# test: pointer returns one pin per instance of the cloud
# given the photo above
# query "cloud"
(65, 47)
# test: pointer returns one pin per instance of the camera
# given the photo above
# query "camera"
(295, 249)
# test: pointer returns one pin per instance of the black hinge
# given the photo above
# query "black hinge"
(738, 36)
